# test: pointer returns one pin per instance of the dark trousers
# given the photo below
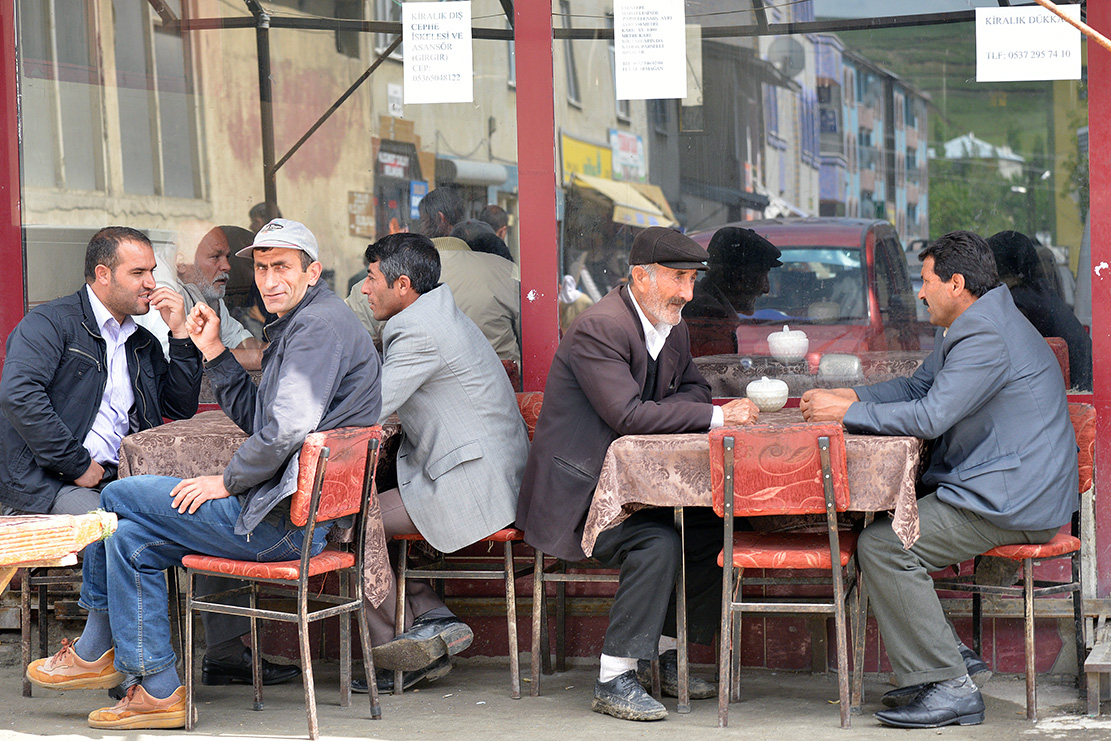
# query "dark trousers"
(647, 548)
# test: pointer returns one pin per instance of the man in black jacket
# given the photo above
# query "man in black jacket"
(79, 374)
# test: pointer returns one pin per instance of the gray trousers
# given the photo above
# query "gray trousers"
(218, 628)
(919, 640)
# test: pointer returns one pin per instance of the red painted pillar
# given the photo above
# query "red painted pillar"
(538, 230)
(13, 295)
(1099, 168)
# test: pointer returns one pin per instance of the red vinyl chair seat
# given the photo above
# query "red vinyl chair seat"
(1061, 545)
(752, 550)
(291, 570)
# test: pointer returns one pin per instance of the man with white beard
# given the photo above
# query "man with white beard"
(197, 266)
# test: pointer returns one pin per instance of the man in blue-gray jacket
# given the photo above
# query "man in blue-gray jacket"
(1003, 470)
(320, 372)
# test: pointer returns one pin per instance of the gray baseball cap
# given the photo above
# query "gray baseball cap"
(284, 233)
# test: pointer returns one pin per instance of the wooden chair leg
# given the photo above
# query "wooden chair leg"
(735, 642)
(256, 650)
(1078, 624)
(306, 665)
(344, 643)
(840, 629)
(368, 656)
(860, 634)
(538, 627)
(1028, 619)
(189, 654)
(511, 622)
(25, 626)
(561, 626)
(399, 614)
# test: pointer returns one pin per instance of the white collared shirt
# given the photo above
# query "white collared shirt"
(655, 335)
(112, 417)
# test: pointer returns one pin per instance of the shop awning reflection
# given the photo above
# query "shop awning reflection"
(631, 205)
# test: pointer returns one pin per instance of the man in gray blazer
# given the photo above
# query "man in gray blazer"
(463, 448)
(1003, 470)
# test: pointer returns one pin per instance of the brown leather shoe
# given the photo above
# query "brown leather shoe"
(66, 670)
(139, 710)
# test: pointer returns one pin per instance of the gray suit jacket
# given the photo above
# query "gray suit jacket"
(464, 444)
(991, 394)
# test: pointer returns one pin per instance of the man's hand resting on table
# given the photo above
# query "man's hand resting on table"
(190, 494)
(740, 412)
(826, 405)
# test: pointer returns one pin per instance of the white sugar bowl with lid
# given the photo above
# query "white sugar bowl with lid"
(788, 346)
(769, 394)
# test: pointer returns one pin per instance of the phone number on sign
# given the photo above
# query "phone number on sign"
(1035, 54)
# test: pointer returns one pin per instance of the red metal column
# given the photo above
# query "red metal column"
(13, 297)
(538, 230)
(1099, 178)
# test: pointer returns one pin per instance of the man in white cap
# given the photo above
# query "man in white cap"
(320, 372)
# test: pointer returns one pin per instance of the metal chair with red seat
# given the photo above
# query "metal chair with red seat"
(762, 470)
(463, 566)
(336, 480)
(1063, 545)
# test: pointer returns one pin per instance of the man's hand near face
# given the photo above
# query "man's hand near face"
(170, 304)
(826, 405)
(204, 329)
(740, 412)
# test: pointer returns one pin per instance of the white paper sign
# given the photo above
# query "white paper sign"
(438, 63)
(1016, 44)
(650, 49)
(394, 98)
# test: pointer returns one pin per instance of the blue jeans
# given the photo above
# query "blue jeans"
(151, 537)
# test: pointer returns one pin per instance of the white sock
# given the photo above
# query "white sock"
(614, 666)
(668, 643)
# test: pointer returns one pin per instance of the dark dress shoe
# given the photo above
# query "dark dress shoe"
(623, 697)
(222, 672)
(426, 641)
(937, 705)
(700, 689)
(976, 667)
(384, 678)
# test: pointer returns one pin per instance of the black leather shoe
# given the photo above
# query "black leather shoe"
(384, 678)
(700, 689)
(423, 643)
(937, 705)
(221, 672)
(976, 667)
(623, 697)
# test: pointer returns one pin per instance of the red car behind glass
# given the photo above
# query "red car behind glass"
(845, 282)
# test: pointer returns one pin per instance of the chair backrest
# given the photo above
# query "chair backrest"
(1084, 424)
(529, 403)
(1060, 350)
(777, 469)
(342, 487)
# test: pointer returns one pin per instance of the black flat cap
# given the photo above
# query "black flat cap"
(734, 246)
(669, 248)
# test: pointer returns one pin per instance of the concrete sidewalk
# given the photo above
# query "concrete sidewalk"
(473, 703)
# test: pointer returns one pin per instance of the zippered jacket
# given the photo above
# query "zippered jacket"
(53, 380)
(319, 372)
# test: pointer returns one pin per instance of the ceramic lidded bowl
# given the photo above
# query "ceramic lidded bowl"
(769, 394)
(788, 346)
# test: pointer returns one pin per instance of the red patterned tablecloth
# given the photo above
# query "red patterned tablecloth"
(674, 470)
(203, 446)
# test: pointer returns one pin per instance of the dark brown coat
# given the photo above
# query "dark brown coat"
(591, 398)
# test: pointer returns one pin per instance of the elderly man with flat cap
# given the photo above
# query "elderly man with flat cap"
(624, 367)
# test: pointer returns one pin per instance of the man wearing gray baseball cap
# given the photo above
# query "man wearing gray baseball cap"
(624, 367)
(320, 372)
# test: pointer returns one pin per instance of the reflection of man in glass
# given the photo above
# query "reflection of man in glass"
(736, 275)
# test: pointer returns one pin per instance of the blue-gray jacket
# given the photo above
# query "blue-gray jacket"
(52, 385)
(992, 396)
(320, 372)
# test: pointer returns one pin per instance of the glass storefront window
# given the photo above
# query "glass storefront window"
(848, 141)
